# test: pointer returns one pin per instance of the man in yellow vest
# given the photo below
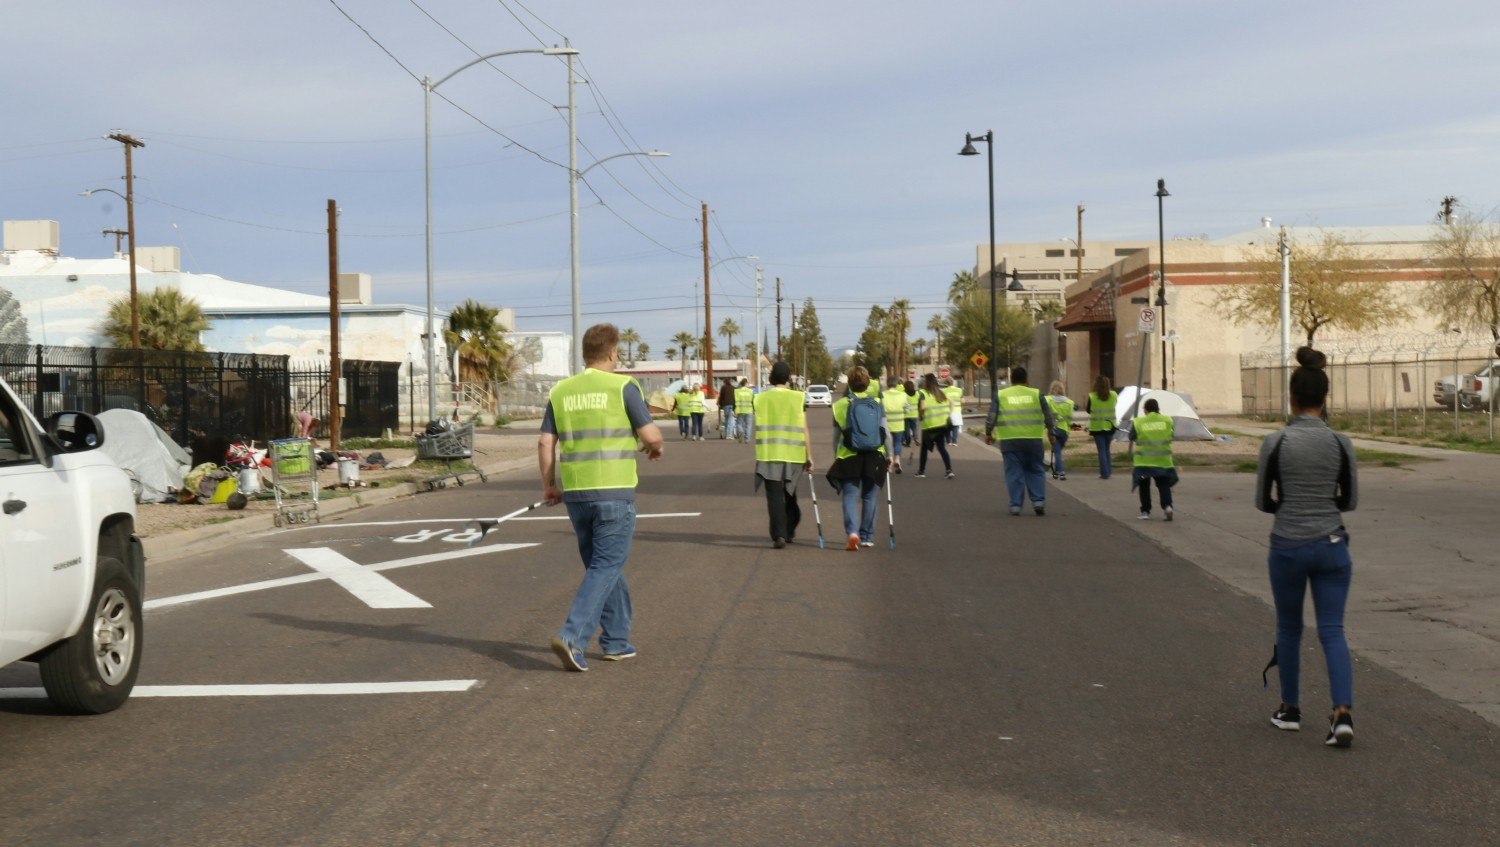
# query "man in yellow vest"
(744, 409)
(683, 408)
(1021, 422)
(956, 395)
(896, 404)
(590, 430)
(783, 452)
(1152, 434)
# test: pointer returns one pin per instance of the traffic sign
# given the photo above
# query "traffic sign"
(944, 372)
(1148, 320)
(979, 359)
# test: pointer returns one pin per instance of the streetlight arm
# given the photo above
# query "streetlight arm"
(550, 51)
(652, 154)
(97, 190)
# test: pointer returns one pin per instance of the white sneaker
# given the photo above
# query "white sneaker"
(1168, 511)
(1143, 516)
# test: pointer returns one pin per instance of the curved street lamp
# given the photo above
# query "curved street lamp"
(427, 87)
(969, 150)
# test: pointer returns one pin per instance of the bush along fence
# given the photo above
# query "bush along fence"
(200, 399)
(1407, 384)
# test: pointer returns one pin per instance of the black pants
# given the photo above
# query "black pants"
(781, 503)
(935, 438)
(1163, 491)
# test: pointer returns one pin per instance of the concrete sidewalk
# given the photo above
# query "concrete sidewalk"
(1426, 596)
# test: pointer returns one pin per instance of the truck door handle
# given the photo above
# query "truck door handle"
(14, 506)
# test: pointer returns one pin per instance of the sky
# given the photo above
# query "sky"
(822, 135)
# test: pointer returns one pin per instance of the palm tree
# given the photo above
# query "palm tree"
(168, 320)
(685, 345)
(644, 350)
(629, 337)
(939, 325)
(898, 322)
(962, 287)
(919, 348)
(474, 331)
(670, 352)
(728, 329)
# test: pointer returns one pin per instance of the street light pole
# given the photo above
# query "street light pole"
(759, 353)
(1161, 291)
(427, 88)
(968, 150)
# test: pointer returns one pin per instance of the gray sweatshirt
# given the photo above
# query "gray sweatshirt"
(1314, 475)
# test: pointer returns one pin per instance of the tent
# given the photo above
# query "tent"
(147, 453)
(1186, 426)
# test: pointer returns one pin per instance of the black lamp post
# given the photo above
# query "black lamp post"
(1161, 290)
(989, 139)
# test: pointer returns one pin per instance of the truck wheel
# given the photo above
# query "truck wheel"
(94, 671)
(1468, 404)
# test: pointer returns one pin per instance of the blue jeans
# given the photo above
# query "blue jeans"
(896, 444)
(1101, 443)
(953, 433)
(682, 425)
(1325, 564)
(913, 432)
(1061, 436)
(1024, 474)
(747, 425)
(604, 529)
(859, 507)
(697, 424)
(729, 422)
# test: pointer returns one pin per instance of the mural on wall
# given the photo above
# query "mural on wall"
(13, 325)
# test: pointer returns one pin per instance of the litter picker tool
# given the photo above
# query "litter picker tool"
(811, 486)
(484, 525)
(890, 514)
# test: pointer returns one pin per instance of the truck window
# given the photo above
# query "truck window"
(13, 444)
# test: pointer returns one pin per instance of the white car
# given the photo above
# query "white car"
(817, 395)
(72, 568)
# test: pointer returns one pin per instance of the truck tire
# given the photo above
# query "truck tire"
(94, 671)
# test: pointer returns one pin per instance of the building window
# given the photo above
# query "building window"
(1054, 254)
(1075, 253)
(1126, 251)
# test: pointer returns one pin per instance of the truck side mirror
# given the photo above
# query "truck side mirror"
(75, 432)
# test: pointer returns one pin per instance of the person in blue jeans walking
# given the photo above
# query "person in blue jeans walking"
(589, 432)
(1307, 477)
(858, 474)
(1100, 406)
(1021, 420)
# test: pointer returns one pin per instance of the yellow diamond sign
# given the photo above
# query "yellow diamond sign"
(979, 359)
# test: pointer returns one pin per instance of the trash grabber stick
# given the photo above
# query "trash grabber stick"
(484, 525)
(811, 486)
(890, 514)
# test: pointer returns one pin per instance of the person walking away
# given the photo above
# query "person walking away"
(1307, 476)
(1152, 434)
(859, 464)
(682, 407)
(1062, 416)
(913, 434)
(1020, 421)
(695, 408)
(956, 418)
(895, 401)
(935, 409)
(744, 405)
(783, 451)
(1101, 410)
(726, 407)
(590, 432)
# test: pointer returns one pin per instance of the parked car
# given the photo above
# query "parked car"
(72, 568)
(817, 395)
(1476, 391)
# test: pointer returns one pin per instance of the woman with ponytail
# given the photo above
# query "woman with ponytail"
(1307, 478)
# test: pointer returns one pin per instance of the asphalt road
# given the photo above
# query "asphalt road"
(993, 680)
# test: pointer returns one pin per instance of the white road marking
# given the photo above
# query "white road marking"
(314, 577)
(462, 521)
(369, 586)
(273, 690)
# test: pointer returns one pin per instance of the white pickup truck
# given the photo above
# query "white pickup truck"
(72, 571)
(1476, 391)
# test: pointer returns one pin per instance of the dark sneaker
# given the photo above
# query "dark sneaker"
(627, 653)
(572, 659)
(1015, 513)
(1340, 730)
(867, 544)
(1287, 717)
(920, 476)
(1040, 510)
(1061, 477)
(948, 475)
(779, 543)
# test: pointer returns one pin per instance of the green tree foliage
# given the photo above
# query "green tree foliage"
(969, 332)
(897, 324)
(1329, 287)
(475, 331)
(168, 321)
(963, 286)
(644, 351)
(729, 329)
(630, 338)
(685, 344)
(939, 326)
(812, 347)
(873, 351)
(13, 327)
(1467, 290)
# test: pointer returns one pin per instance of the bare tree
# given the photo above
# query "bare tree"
(1466, 293)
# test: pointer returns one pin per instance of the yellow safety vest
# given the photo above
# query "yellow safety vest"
(1153, 441)
(596, 443)
(695, 402)
(1020, 414)
(1102, 412)
(913, 411)
(897, 405)
(744, 399)
(779, 436)
(935, 410)
(684, 404)
(1062, 411)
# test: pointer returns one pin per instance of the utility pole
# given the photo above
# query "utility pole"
(135, 307)
(1079, 277)
(708, 320)
(118, 234)
(794, 339)
(778, 318)
(760, 350)
(333, 317)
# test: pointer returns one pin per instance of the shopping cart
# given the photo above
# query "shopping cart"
(294, 479)
(452, 444)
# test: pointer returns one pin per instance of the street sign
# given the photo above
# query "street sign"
(944, 373)
(979, 359)
(911, 373)
(1148, 320)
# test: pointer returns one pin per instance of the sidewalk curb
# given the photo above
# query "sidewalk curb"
(188, 542)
